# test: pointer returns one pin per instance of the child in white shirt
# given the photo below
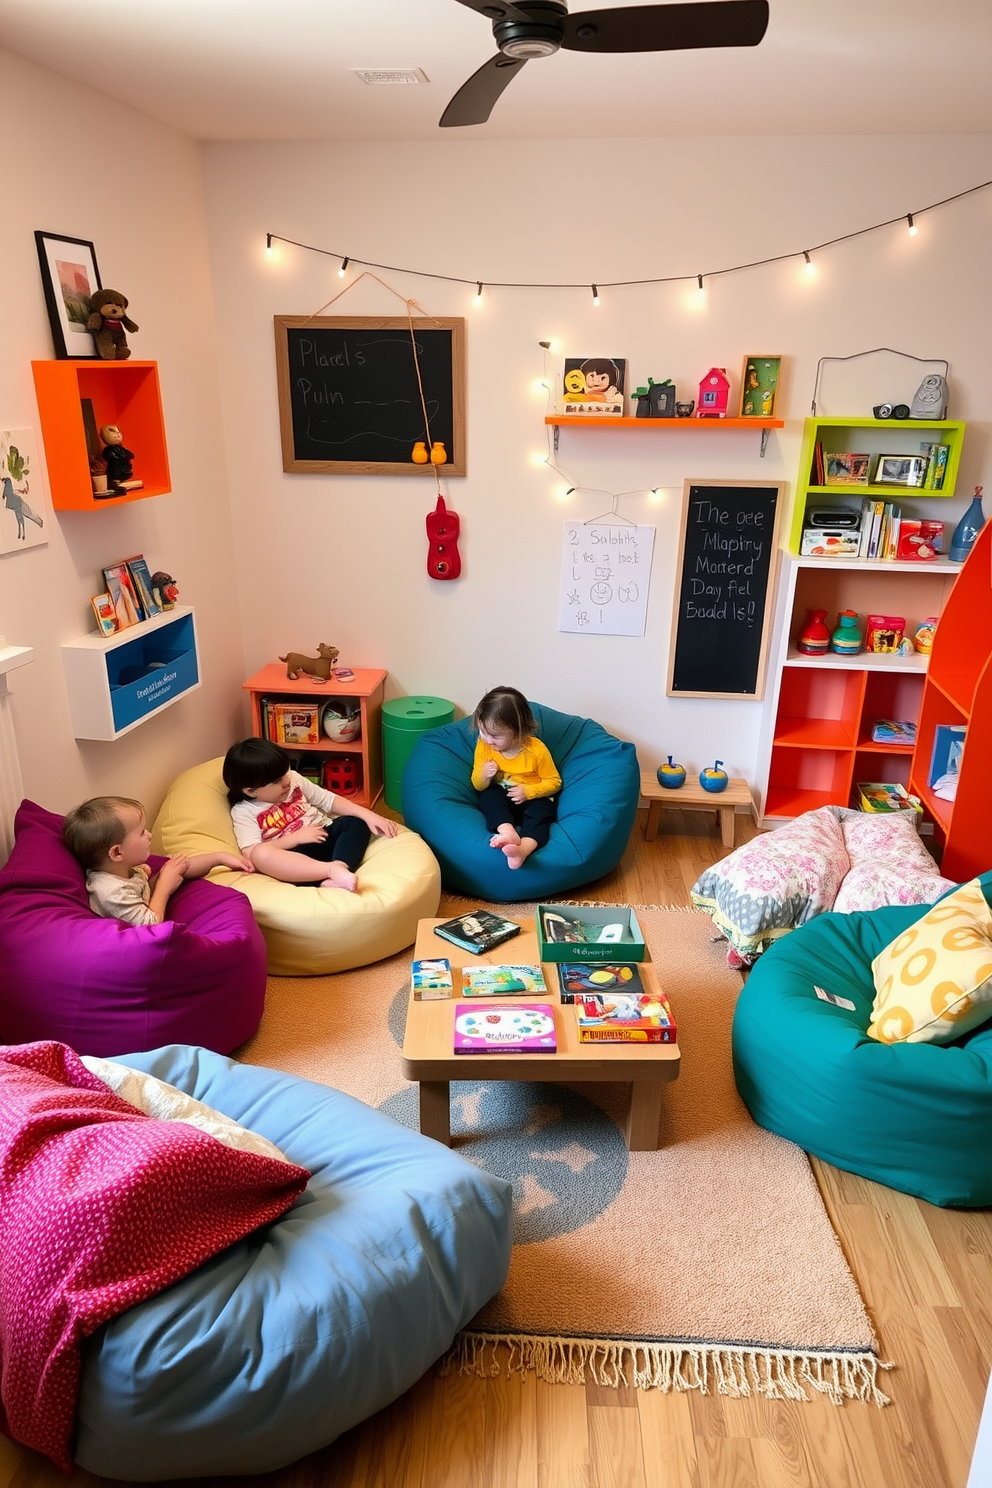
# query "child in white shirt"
(290, 828)
(109, 838)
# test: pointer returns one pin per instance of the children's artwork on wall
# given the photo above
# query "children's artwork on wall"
(605, 574)
(593, 386)
(759, 386)
(25, 510)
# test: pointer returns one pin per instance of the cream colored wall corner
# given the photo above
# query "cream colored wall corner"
(78, 163)
(599, 211)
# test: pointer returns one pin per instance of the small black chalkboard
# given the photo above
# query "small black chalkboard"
(349, 398)
(724, 588)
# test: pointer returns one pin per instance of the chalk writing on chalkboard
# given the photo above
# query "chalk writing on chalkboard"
(350, 401)
(724, 588)
(605, 573)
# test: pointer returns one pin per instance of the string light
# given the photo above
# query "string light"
(633, 283)
(344, 265)
(810, 265)
(595, 294)
(477, 297)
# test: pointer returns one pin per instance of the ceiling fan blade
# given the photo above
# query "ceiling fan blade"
(667, 28)
(474, 101)
(495, 10)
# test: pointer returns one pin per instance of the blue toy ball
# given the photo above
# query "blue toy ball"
(671, 776)
(715, 779)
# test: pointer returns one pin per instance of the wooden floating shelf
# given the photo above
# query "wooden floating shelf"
(563, 420)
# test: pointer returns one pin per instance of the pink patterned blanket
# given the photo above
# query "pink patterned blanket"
(100, 1207)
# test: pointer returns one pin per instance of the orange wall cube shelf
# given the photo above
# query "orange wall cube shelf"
(122, 393)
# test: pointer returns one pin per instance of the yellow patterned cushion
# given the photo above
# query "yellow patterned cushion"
(934, 982)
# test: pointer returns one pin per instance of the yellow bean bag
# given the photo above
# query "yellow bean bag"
(308, 931)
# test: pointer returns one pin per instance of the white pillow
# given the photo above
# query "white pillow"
(167, 1103)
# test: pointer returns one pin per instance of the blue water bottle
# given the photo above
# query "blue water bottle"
(967, 529)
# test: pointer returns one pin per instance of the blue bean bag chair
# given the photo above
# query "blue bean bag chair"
(916, 1117)
(596, 805)
(311, 1324)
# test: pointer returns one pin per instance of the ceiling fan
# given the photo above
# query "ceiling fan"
(528, 29)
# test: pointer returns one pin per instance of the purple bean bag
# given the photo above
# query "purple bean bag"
(102, 986)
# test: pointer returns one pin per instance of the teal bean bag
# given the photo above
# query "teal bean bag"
(916, 1117)
(596, 805)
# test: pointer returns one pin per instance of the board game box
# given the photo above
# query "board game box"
(578, 979)
(615, 1018)
(502, 981)
(523, 1028)
(431, 980)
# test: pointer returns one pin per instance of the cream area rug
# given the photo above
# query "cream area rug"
(709, 1264)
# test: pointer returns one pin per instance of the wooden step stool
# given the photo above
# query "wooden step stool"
(693, 797)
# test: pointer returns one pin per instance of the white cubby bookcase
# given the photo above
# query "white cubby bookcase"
(120, 681)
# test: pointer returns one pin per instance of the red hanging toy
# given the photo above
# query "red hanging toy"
(443, 558)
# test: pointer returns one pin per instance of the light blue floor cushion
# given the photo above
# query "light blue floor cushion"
(917, 1117)
(596, 806)
(308, 1326)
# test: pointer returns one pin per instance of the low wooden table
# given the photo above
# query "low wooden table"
(429, 1057)
(692, 797)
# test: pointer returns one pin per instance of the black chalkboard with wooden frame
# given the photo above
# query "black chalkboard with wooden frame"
(349, 400)
(724, 588)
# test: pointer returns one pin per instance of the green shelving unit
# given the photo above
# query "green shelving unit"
(872, 437)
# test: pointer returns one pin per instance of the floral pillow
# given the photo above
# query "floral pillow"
(889, 864)
(934, 982)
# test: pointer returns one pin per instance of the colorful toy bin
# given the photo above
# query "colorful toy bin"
(403, 722)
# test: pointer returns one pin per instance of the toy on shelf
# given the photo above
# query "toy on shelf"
(341, 722)
(814, 638)
(919, 540)
(846, 638)
(905, 646)
(420, 455)
(891, 411)
(165, 590)
(108, 321)
(714, 779)
(318, 667)
(671, 776)
(714, 394)
(343, 775)
(657, 400)
(684, 410)
(98, 476)
(968, 529)
(439, 455)
(884, 632)
(923, 639)
(930, 398)
(443, 558)
(118, 460)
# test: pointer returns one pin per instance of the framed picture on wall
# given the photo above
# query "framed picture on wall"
(759, 386)
(25, 510)
(70, 276)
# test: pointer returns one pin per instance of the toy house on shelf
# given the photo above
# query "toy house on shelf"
(714, 394)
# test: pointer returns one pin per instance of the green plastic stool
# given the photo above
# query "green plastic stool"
(403, 722)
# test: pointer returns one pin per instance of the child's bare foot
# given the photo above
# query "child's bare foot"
(339, 876)
(517, 853)
(507, 836)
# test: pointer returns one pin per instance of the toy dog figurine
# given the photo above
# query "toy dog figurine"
(318, 667)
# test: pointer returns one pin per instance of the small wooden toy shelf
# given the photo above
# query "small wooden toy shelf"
(119, 681)
(567, 420)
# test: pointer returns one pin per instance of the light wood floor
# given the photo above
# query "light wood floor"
(925, 1275)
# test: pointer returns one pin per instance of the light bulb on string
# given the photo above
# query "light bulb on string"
(810, 265)
(910, 225)
(477, 297)
(702, 291)
(268, 242)
(344, 268)
(595, 294)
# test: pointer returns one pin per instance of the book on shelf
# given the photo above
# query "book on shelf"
(937, 458)
(480, 930)
(294, 723)
(893, 731)
(883, 796)
(577, 979)
(430, 981)
(142, 580)
(502, 981)
(521, 1028)
(617, 1018)
(846, 469)
(817, 472)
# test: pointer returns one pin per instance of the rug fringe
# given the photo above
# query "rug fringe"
(776, 1374)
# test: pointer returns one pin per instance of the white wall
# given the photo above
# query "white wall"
(75, 162)
(343, 559)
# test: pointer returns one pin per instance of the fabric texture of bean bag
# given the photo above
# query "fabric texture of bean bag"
(596, 806)
(101, 985)
(308, 931)
(306, 1327)
(914, 1116)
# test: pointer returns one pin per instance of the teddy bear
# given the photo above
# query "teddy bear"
(108, 322)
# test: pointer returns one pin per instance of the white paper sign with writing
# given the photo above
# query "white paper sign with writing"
(605, 572)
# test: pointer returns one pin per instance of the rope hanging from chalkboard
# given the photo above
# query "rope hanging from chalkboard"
(411, 305)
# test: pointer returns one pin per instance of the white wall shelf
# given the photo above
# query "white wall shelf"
(118, 682)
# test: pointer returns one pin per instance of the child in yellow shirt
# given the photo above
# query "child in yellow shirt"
(514, 774)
